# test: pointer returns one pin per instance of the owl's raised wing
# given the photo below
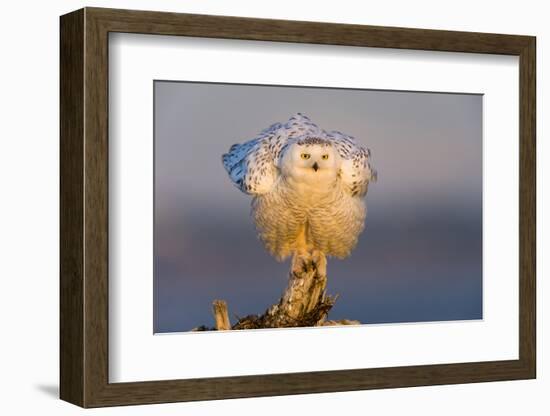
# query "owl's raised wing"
(252, 165)
(356, 171)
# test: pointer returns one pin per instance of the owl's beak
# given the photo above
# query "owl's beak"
(315, 167)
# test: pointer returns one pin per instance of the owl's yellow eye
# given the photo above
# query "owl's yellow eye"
(324, 157)
(305, 156)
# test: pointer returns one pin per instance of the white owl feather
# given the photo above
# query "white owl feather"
(252, 165)
(308, 186)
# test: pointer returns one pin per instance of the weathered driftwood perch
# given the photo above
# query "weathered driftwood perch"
(221, 316)
(304, 302)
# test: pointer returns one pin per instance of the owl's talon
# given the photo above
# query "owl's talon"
(301, 261)
(319, 261)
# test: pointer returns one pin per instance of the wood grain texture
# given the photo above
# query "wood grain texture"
(72, 216)
(162, 23)
(84, 207)
(527, 208)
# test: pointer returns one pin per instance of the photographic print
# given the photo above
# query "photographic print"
(291, 206)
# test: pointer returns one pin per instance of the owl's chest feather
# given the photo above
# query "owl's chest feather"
(330, 217)
(309, 194)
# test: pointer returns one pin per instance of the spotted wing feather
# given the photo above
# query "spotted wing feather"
(252, 165)
(356, 171)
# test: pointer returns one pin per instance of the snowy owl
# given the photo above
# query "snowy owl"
(308, 187)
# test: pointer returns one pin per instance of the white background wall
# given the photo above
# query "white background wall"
(29, 206)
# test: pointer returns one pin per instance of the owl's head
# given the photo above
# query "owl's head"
(311, 160)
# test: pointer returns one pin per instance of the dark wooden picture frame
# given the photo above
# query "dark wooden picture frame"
(84, 207)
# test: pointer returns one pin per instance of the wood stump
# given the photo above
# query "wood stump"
(303, 303)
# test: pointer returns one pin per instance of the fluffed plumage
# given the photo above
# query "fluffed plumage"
(308, 186)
